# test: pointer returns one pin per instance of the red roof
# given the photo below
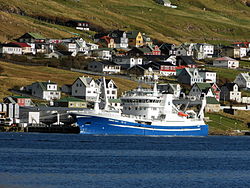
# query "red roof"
(106, 38)
(243, 44)
(224, 59)
(21, 44)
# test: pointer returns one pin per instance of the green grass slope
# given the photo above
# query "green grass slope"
(193, 20)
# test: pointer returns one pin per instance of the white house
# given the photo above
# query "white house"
(203, 50)
(120, 38)
(184, 50)
(208, 76)
(111, 88)
(243, 52)
(103, 53)
(243, 80)
(115, 103)
(190, 76)
(44, 90)
(107, 67)
(86, 88)
(226, 62)
(10, 48)
(230, 91)
(200, 90)
(92, 46)
(60, 54)
(26, 48)
(127, 62)
(171, 59)
(76, 45)
(166, 3)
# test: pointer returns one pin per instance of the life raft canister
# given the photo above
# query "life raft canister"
(182, 114)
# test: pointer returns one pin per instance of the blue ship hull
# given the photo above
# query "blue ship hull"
(108, 126)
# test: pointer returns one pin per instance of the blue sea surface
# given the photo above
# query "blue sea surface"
(59, 160)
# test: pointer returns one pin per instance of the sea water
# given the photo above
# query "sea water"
(60, 160)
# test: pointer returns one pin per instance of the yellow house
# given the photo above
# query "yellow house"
(135, 38)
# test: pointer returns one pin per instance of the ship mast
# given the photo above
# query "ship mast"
(106, 103)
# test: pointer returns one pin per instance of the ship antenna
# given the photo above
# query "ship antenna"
(140, 83)
(105, 93)
(155, 89)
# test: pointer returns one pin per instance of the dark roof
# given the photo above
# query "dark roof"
(211, 100)
(100, 35)
(107, 62)
(156, 57)
(145, 67)
(35, 35)
(10, 45)
(132, 34)
(229, 86)
(70, 99)
(116, 33)
(159, 63)
(145, 50)
(185, 60)
(65, 53)
(204, 87)
(20, 97)
(166, 46)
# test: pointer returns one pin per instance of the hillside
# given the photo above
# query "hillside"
(13, 75)
(194, 20)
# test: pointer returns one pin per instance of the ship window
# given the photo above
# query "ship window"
(136, 108)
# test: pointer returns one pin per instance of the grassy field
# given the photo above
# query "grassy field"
(222, 123)
(197, 20)
(18, 75)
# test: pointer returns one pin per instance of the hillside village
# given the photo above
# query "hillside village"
(183, 70)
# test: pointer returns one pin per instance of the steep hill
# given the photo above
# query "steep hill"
(193, 20)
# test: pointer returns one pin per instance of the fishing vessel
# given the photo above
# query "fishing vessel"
(145, 112)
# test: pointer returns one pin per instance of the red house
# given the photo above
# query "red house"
(216, 91)
(20, 100)
(155, 50)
